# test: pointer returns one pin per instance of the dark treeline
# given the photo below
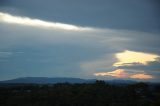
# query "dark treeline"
(92, 94)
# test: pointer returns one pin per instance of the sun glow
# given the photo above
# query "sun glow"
(130, 57)
(7, 18)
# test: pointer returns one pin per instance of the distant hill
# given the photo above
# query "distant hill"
(45, 80)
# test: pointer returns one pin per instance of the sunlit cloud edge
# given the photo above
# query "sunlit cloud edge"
(121, 73)
(26, 21)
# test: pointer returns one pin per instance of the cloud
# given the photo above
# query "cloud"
(5, 17)
(127, 57)
(141, 76)
(121, 73)
(122, 60)
(151, 66)
(143, 16)
(79, 50)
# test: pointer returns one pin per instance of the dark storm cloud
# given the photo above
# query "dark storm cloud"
(117, 14)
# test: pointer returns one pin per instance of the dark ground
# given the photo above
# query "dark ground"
(91, 94)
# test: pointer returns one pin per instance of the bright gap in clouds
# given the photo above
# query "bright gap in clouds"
(130, 57)
(7, 18)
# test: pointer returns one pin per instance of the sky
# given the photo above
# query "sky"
(90, 39)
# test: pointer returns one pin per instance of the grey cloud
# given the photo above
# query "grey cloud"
(125, 14)
(138, 41)
(76, 53)
(150, 67)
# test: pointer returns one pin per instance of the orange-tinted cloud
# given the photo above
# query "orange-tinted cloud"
(121, 73)
(141, 76)
(117, 73)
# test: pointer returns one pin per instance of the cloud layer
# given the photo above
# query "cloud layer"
(58, 48)
(4, 17)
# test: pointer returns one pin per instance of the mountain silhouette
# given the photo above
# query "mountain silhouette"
(54, 80)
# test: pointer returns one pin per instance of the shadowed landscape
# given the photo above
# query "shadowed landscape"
(98, 93)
